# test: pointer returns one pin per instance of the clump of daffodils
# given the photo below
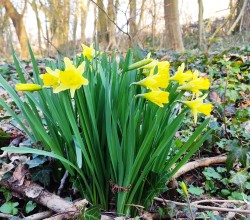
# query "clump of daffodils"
(157, 81)
(188, 81)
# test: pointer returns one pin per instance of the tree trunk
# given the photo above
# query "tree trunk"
(102, 27)
(202, 39)
(18, 23)
(132, 21)
(38, 23)
(153, 23)
(75, 22)
(141, 18)
(84, 13)
(172, 25)
(111, 26)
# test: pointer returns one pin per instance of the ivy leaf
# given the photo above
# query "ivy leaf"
(195, 190)
(239, 178)
(43, 176)
(30, 206)
(211, 173)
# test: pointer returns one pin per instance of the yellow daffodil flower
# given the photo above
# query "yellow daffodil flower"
(50, 78)
(71, 78)
(163, 68)
(180, 76)
(196, 84)
(197, 106)
(184, 188)
(27, 87)
(88, 52)
(154, 82)
(157, 97)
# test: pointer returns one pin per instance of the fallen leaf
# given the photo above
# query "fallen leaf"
(5, 169)
(20, 173)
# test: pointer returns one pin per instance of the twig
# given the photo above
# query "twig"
(204, 207)
(218, 200)
(65, 176)
(41, 215)
(2, 215)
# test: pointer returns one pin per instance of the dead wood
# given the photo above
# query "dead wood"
(199, 163)
(195, 164)
(41, 196)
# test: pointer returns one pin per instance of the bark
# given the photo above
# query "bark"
(75, 22)
(172, 26)
(17, 20)
(141, 18)
(38, 23)
(102, 27)
(239, 17)
(84, 13)
(132, 21)
(41, 196)
(111, 26)
(199, 163)
(202, 39)
(153, 23)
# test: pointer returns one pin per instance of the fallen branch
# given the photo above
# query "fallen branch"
(40, 215)
(38, 194)
(199, 163)
(204, 207)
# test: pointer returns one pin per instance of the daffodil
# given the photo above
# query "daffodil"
(50, 78)
(154, 82)
(88, 52)
(27, 87)
(71, 78)
(197, 106)
(163, 68)
(157, 97)
(196, 84)
(184, 188)
(180, 76)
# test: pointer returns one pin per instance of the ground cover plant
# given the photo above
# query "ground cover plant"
(230, 114)
(111, 124)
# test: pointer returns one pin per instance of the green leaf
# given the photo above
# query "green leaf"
(9, 208)
(221, 169)
(43, 176)
(211, 173)
(92, 213)
(30, 206)
(225, 192)
(197, 191)
(239, 178)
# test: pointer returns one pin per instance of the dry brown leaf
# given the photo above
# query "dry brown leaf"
(20, 173)
(5, 169)
(214, 97)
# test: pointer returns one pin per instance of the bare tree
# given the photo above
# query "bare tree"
(172, 25)
(111, 26)
(102, 26)
(132, 19)
(84, 13)
(38, 23)
(17, 20)
(202, 38)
